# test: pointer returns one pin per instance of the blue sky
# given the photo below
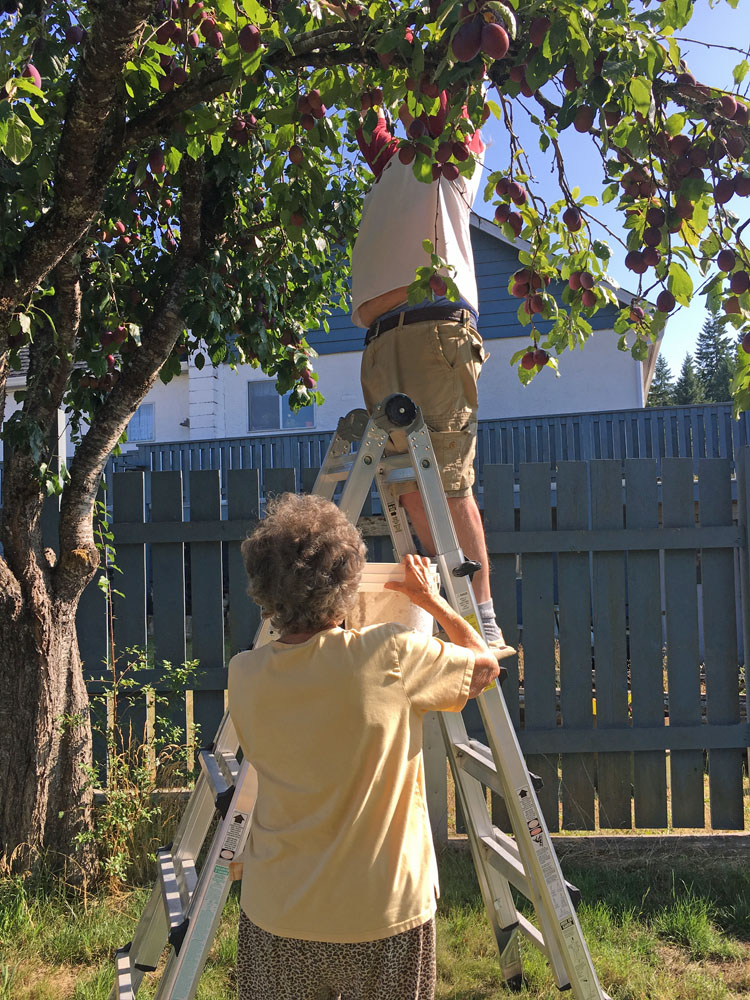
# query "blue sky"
(720, 25)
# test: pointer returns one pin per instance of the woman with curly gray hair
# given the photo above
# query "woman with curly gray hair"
(339, 882)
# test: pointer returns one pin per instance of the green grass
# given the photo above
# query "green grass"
(656, 931)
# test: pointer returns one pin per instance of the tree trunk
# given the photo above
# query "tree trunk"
(46, 792)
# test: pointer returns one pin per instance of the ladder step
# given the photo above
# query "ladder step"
(221, 770)
(475, 759)
(503, 855)
(124, 980)
(172, 897)
(337, 470)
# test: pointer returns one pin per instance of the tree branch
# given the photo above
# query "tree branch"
(206, 86)
(78, 554)
(85, 151)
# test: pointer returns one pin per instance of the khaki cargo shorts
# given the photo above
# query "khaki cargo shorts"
(437, 364)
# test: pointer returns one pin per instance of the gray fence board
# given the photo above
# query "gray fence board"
(720, 642)
(645, 637)
(243, 486)
(574, 589)
(683, 654)
(537, 608)
(207, 606)
(128, 506)
(499, 515)
(168, 567)
(610, 652)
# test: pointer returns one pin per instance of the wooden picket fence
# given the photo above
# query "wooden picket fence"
(605, 573)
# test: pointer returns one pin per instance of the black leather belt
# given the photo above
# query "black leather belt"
(435, 313)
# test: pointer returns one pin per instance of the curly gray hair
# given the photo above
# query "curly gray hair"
(304, 562)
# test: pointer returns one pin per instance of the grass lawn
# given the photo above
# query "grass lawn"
(657, 930)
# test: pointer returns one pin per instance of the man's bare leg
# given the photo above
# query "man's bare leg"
(470, 531)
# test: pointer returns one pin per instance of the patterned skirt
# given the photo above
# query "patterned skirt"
(401, 967)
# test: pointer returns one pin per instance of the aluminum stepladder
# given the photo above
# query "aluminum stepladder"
(185, 908)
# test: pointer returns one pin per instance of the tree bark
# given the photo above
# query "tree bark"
(46, 794)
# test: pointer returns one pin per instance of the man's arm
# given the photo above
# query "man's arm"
(418, 587)
(381, 147)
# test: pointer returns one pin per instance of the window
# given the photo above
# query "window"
(141, 426)
(268, 411)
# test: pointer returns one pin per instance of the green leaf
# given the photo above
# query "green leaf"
(601, 250)
(680, 283)
(172, 160)
(217, 141)
(611, 191)
(675, 124)
(17, 145)
(640, 91)
(740, 71)
(254, 11)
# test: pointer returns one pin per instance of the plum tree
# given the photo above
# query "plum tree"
(202, 129)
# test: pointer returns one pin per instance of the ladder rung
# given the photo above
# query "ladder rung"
(534, 935)
(190, 876)
(221, 769)
(228, 765)
(478, 763)
(476, 760)
(338, 469)
(503, 854)
(124, 975)
(170, 888)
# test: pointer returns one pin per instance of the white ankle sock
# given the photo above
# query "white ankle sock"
(487, 613)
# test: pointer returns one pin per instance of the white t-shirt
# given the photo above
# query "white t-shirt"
(398, 214)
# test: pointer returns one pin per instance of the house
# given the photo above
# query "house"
(219, 402)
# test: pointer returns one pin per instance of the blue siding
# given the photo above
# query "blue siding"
(495, 261)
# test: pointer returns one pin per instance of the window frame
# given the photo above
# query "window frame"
(282, 410)
(143, 440)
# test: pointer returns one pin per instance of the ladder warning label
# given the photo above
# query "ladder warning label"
(545, 858)
(234, 836)
(393, 513)
(472, 620)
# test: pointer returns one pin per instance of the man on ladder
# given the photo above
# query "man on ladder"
(431, 351)
(339, 882)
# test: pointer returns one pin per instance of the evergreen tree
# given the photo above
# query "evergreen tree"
(688, 388)
(661, 391)
(714, 362)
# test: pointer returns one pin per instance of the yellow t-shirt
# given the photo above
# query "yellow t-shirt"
(339, 846)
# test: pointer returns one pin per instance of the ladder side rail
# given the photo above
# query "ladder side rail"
(184, 967)
(461, 596)
(555, 910)
(359, 483)
(395, 515)
(501, 910)
(142, 954)
(152, 930)
(349, 429)
(498, 900)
